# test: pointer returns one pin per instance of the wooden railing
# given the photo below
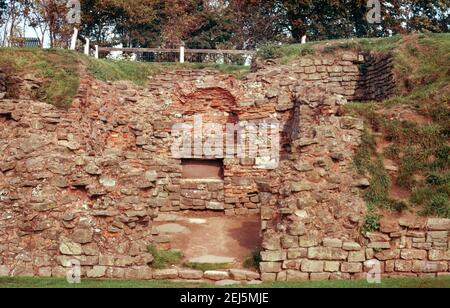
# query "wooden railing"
(181, 51)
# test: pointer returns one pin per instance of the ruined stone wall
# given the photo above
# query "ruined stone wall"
(377, 78)
(357, 76)
(88, 182)
(407, 247)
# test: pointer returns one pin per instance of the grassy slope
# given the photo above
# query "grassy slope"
(61, 69)
(418, 143)
(58, 69)
(61, 283)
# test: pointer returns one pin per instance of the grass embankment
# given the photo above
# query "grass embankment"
(410, 131)
(60, 70)
(62, 283)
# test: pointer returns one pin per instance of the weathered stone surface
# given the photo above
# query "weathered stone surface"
(436, 224)
(388, 225)
(388, 255)
(270, 267)
(378, 237)
(82, 236)
(439, 255)
(429, 267)
(101, 178)
(165, 274)
(273, 256)
(67, 247)
(313, 266)
(190, 274)
(97, 272)
(212, 260)
(296, 276)
(351, 267)
(215, 206)
(326, 253)
(4, 271)
(172, 229)
(238, 274)
(413, 254)
(216, 275)
(351, 246)
(357, 256)
(380, 245)
(332, 266)
(403, 266)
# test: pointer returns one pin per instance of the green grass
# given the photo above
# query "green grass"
(207, 266)
(289, 52)
(421, 150)
(139, 72)
(58, 69)
(164, 258)
(89, 283)
(369, 163)
(253, 260)
(61, 70)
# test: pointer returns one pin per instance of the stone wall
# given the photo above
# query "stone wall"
(356, 76)
(87, 183)
(377, 78)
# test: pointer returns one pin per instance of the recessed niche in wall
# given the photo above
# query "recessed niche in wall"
(202, 169)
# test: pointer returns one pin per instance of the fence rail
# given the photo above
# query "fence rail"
(173, 50)
(182, 54)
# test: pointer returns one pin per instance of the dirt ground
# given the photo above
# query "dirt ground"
(219, 235)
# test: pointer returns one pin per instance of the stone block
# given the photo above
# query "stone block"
(357, 256)
(327, 253)
(413, 254)
(429, 267)
(216, 275)
(351, 267)
(165, 274)
(273, 256)
(270, 267)
(403, 266)
(312, 266)
(296, 276)
(333, 243)
(351, 246)
(438, 224)
(190, 274)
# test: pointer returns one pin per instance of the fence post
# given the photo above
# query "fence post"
(182, 53)
(86, 47)
(96, 51)
(73, 43)
(304, 37)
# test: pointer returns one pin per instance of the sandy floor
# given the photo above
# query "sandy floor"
(221, 236)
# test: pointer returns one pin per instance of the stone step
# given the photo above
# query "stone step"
(212, 260)
(171, 229)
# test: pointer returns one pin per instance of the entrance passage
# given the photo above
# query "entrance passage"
(210, 237)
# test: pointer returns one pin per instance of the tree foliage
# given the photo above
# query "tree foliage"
(231, 23)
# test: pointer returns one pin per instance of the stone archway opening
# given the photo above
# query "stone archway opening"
(217, 221)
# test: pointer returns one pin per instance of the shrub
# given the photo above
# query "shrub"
(372, 222)
(253, 261)
(270, 51)
(439, 205)
(164, 259)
